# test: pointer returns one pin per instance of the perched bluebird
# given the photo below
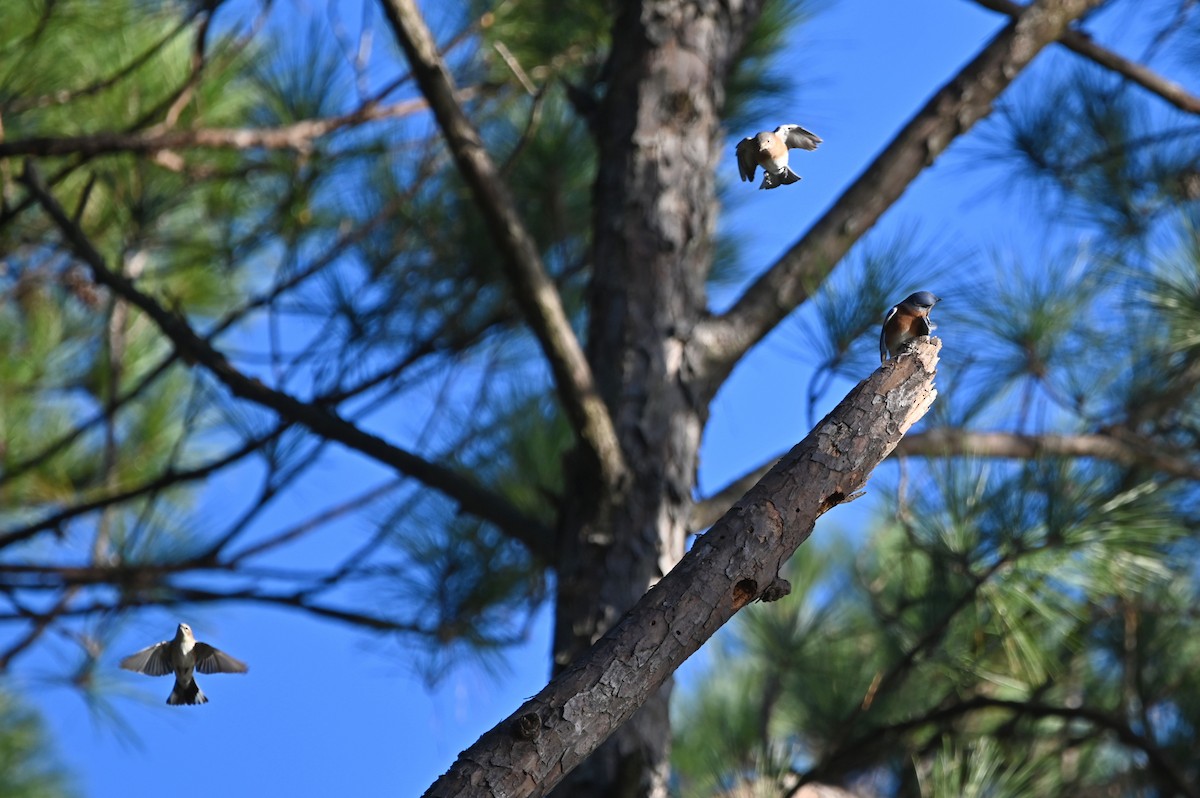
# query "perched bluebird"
(906, 321)
(770, 151)
(182, 656)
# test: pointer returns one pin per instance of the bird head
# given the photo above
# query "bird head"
(922, 299)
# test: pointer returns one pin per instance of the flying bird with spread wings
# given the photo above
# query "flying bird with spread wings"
(770, 151)
(183, 656)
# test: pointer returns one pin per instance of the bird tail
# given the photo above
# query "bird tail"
(784, 178)
(189, 693)
(788, 177)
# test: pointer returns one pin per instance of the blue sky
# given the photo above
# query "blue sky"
(326, 710)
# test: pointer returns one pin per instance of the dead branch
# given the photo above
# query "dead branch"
(737, 562)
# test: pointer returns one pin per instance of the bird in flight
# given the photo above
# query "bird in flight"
(183, 656)
(770, 151)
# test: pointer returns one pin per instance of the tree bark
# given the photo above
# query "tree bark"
(657, 358)
(659, 138)
(737, 562)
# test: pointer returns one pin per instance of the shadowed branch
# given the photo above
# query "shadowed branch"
(322, 420)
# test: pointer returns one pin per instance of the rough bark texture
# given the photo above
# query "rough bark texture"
(735, 563)
(659, 138)
(658, 358)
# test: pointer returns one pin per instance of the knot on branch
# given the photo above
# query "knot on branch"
(778, 588)
(746, 591)
(528, 726)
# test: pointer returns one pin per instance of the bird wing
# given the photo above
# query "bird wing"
(797, 138)
(883, 350)
(214, 660)
(152, 660)
(745, 158)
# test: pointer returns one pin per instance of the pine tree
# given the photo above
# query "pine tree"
(480, 261)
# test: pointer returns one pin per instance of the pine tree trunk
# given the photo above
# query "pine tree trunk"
(659, 137)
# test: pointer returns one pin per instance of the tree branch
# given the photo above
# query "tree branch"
(1125, 449)
(297, 136)
(707, 512)
(18, 469)
(1125, 733)
(956, 442)
(1079, 42)
(38, 624)
(298, 530)
(738, 561)
(64, 96)
(723, 340)
(335, 250)
(532, 287)
(1156, 758)
(171, 594)
(167, 479)
(322, 420)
